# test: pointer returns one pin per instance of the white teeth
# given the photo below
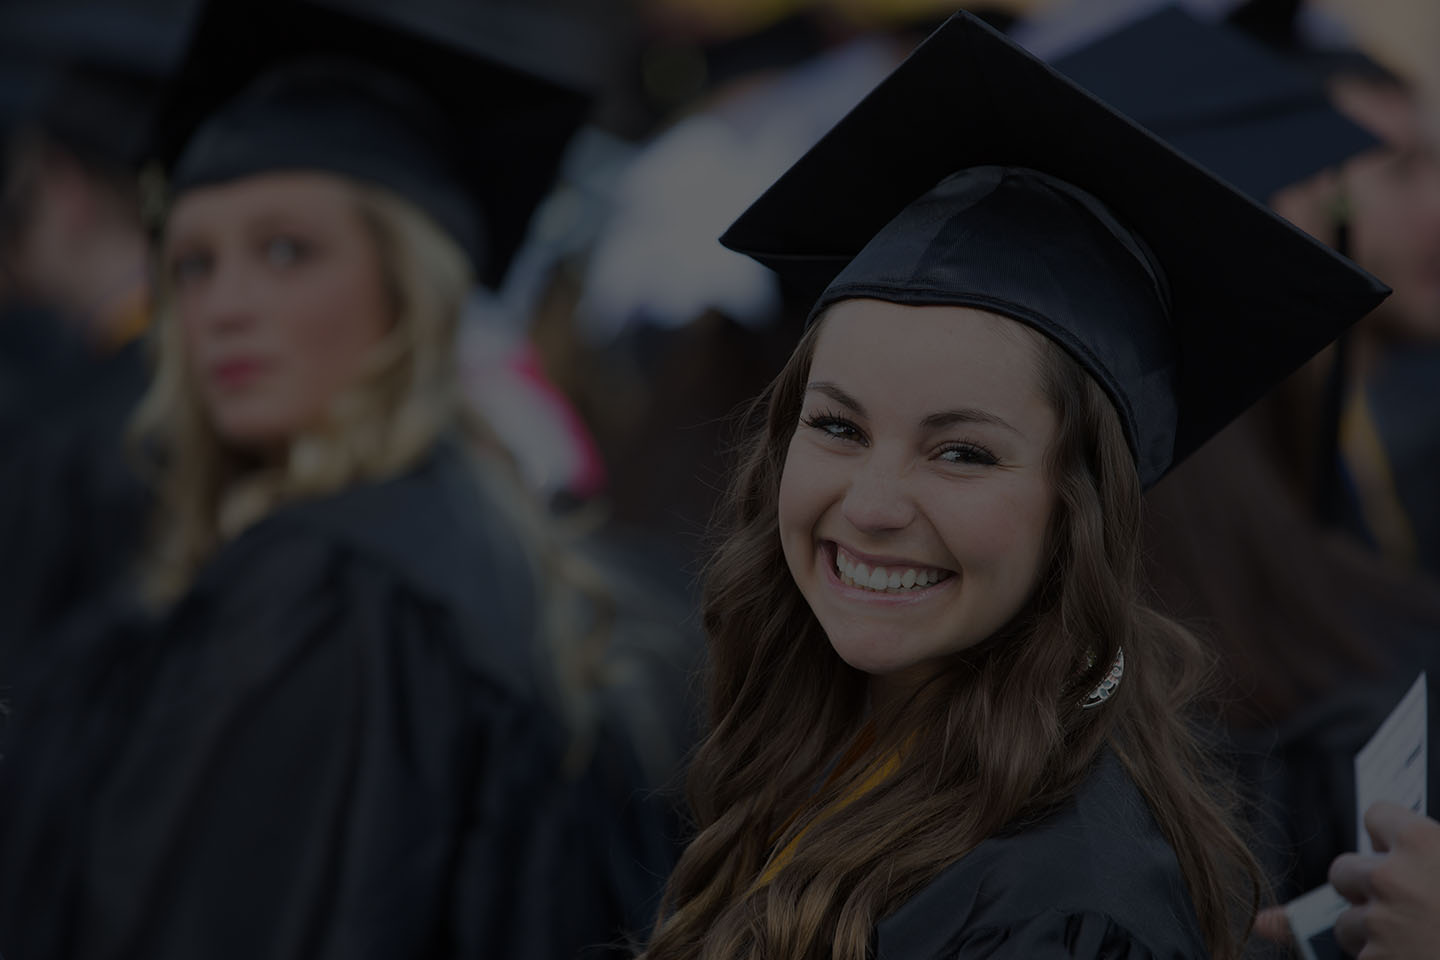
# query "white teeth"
(855, 574)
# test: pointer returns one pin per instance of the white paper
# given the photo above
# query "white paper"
(1392, 766)
(1312, 921)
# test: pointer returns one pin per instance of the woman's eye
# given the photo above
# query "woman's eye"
(188, 267)
(970, 454)
(834, 426)
(284, 251)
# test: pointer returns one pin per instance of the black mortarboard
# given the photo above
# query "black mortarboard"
(21, 77)
(95, 71)
(463, 108)
(1220, 98)
(1278, 25)
(976, 175)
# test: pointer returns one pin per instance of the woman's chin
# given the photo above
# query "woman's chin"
(253, 431)
(878, 656)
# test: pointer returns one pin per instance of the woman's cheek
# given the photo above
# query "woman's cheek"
(801, 487)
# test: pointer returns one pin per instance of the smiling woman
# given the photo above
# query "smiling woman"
(944, 723)
(920, 457)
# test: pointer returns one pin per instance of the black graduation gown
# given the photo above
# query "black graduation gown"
(333, 747)
(1094, 879)
(1300, 777)
(73, 511)
(36, 352)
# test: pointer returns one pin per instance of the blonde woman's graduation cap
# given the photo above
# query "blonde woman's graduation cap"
(463, 108)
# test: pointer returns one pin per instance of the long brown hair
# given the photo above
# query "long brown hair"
(995, 738)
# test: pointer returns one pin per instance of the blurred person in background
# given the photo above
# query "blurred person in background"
(1361, 622)
(73, 208)
(351, 722)
(71, 506)
(1389, 428)
(29, 346)
(1314, 639)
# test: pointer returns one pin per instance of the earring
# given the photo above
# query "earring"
(1107, 686)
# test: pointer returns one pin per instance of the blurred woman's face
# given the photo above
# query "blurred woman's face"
(1394, 195)
(915, 498)
(278, 288)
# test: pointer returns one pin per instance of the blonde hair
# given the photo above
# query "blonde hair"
(407, 398)
(379, 427)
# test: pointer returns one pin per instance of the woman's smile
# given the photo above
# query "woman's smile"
(888, 581)
(914, 499)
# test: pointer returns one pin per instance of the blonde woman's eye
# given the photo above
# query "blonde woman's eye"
(188, 267)
(284, 251)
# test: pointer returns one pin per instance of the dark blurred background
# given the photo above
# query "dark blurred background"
(615, 358)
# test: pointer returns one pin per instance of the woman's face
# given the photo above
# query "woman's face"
(279, 292)
(914, 500)
(1394, 200)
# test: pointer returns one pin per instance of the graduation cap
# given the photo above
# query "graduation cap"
(1220, 98)
(21, 78)
(90, 75)
(976, 175)
(463, 108)
(1278, 25)
(1272, 22)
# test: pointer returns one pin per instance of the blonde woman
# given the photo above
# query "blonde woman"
(340, 737)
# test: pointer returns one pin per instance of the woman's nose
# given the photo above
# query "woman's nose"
(227, 302)
(876, 500)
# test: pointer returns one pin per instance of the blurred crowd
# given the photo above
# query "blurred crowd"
(531, 472)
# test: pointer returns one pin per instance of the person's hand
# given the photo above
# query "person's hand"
(1395, 893)
(1271, 925)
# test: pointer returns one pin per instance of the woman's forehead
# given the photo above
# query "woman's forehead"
(294, 193)
(907, 347)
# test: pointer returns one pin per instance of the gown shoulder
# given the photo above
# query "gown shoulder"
(332, 747)
(1093, 879)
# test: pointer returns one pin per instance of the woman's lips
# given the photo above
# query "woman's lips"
(909, 593)
(236, 372)
(876, 560)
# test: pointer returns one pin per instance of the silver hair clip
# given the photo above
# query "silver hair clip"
(1107, 686)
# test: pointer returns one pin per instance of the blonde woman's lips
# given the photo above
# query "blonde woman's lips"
(236, 372)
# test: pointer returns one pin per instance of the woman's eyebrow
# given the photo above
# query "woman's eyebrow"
(938, 421)
(277, 220)
(834, 392)
(935, 421)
